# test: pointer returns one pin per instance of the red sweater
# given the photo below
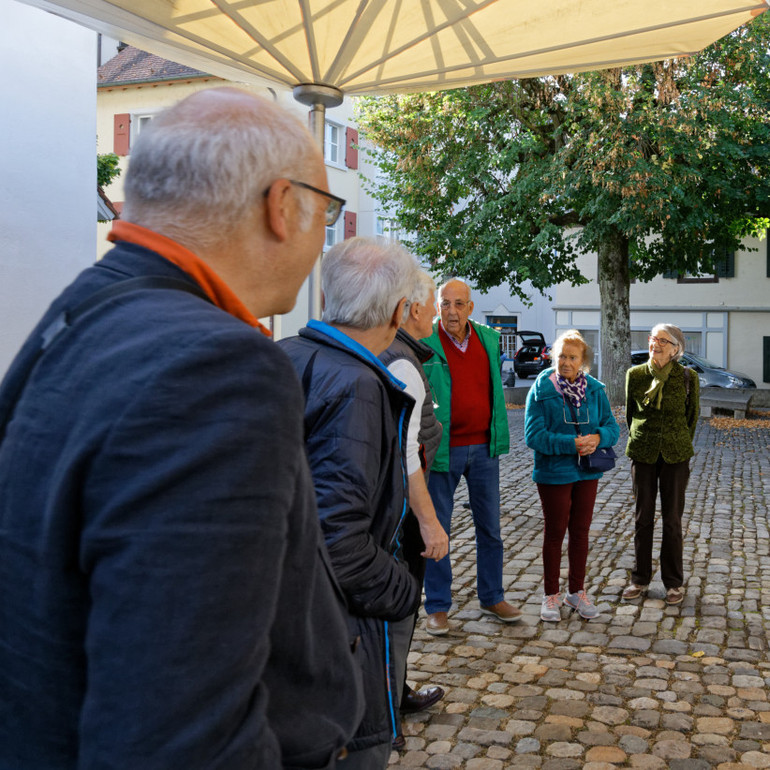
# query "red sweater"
(471, 408)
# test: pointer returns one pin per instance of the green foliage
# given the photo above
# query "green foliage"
(107, 168)
(510, 181)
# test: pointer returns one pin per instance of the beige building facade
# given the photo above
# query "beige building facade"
(133, 86)
(725, 317)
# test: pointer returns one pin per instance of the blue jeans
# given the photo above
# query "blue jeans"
(482, 473)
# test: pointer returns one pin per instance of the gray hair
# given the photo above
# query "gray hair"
(363, 280)
(201, 164)
(574, 337)
(421, 288)
(453, 280)
(675, 333)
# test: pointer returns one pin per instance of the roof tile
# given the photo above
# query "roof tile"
(134, 66)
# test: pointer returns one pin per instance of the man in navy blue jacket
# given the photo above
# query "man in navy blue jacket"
(356, 419)
(166, 600)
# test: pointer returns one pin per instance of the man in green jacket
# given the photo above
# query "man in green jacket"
(465, 380)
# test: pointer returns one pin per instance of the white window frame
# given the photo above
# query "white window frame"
(138, 121)
(334, 233)
(334, 145)
(387, 227)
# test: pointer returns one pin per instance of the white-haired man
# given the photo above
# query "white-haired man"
(356, 420)
(423, 536)
(157, 511)
(465, 378)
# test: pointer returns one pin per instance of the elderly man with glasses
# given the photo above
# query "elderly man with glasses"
(465, 379)
(165, 595)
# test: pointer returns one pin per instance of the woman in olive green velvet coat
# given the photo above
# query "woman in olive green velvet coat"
(661, 412)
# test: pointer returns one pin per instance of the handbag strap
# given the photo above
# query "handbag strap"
(64, 321)
(574, 415)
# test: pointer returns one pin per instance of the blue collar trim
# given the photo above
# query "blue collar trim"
(356, 347)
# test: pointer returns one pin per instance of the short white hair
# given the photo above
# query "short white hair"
(675, 333)
(363, 280)
(201, 164)
(421, 289)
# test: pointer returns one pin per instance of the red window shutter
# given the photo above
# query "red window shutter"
(350, 225)
(351, 152)
(122, 134)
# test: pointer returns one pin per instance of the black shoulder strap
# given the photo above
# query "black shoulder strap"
(687, 374)
(307, 379)
(66, 318)
(569, 403)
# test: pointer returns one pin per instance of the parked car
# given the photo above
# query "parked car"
(709, 374)
(533, 356)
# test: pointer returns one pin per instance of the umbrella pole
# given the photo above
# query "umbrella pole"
(318, 98)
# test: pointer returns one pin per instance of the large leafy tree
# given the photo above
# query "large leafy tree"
(654, 168)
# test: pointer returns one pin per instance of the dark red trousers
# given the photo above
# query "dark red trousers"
(566, 508)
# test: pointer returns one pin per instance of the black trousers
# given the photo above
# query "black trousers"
(671, 479)
(411, 550)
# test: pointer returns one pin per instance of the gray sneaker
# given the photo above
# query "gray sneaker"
(582, 604)
(550, 610)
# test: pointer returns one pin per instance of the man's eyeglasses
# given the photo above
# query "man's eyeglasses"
(661, 341)
(458, 303)
(333, 208)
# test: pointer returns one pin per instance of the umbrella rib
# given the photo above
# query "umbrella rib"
(235, 16)
(419, 39)
(550, 49)
(225, 55)
(312, 48)
(390, 35)
(355, 34)
(434, 44)
(376, 86)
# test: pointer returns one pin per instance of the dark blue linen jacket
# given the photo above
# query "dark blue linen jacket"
(166, 600)
(356, 418)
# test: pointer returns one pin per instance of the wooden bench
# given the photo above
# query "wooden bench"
(735, 401)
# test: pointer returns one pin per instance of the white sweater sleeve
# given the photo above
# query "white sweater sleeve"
(406, 371)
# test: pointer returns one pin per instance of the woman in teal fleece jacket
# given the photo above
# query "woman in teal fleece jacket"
(567, 492)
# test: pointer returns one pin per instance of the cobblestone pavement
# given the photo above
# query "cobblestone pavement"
(643, 685)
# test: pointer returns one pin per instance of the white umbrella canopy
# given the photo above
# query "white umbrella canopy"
(385, 46)
(326, 48)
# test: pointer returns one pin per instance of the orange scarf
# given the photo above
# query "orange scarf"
(216, 289)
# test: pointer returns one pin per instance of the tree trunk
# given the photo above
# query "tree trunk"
(615, 313)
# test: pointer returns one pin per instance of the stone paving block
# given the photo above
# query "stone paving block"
(630, 643)
(440, 762)
(484, 737)
(647, 762)
(756, 730)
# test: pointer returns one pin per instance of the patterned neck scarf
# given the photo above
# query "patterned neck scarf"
(575, 391)
(654, 394)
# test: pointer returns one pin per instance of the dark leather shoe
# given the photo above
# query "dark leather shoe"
(419, 700)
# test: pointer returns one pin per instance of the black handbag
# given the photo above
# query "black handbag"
(601, 459)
